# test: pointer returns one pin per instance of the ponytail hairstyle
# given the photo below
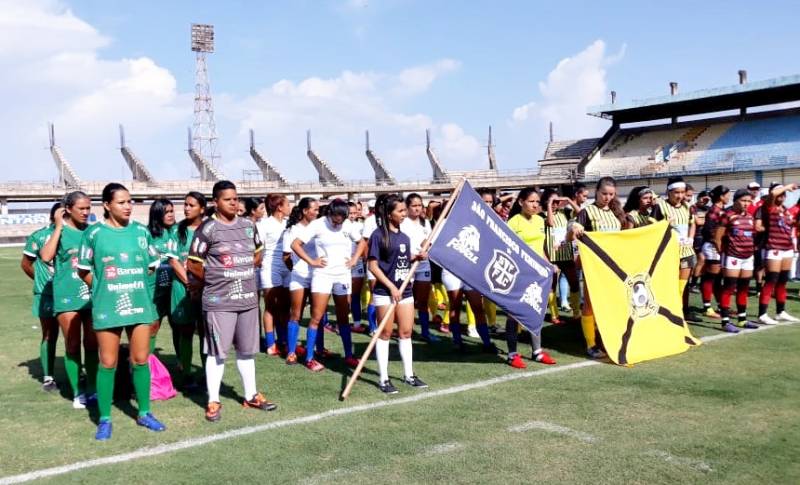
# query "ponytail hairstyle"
(523, 194)
(717, 193)
(383, 210)
(272, 202)
(614, 205)
(53, 210)
(251, 204)
(338, 207)
(156, 222)
(183, 226)
(298, 210)
(410, 197)
(108, 196)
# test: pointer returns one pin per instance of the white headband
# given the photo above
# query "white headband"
(676, 185)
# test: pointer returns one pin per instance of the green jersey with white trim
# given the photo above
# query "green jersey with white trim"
(42, 272)
(184, 310)
(119, 259)
(70, 293)
(161, 280)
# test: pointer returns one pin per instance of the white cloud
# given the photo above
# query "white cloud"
(418, 79)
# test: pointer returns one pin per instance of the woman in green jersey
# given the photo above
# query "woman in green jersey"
(72, 302)
(42, 275)
(161, 225)
(185, 312)
(117, 258)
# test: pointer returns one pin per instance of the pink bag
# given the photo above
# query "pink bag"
(161, 387)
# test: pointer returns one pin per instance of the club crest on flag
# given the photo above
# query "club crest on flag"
(501, 273)
(640, 295)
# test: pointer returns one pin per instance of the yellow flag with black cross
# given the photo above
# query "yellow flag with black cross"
(632, 278)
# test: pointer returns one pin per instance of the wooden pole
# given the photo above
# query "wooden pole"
(390, 313)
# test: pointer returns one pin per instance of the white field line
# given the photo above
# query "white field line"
(444, 448)
(235, 433)
(554, 428)
(679, 460)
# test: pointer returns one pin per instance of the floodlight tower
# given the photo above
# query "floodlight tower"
(204, 129)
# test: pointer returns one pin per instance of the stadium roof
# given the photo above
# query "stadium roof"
(567, 149)
(760, 93)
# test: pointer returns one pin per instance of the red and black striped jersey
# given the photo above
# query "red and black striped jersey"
(778, 223)
(739, 230)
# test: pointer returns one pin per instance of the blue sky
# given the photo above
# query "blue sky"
(395, 67)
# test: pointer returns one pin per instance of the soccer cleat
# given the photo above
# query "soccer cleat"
(358, 328)
(300, 351)
(785, 317)
(556, 321)
(103, 432)
(730, 328)
(747, 324)
(444, 328)
(213, 413)
(710, 313)
(49, 384)
(595, 353)
(91, 400)
(291, 359)
(565, 309)
(415, 381)
(330, 328)
(351, 362)
(473, 332)
(543, 358)
(259, 402)
(766, 320)
(150, 422)
(516, 362)
(79, 402)
(314, 366)
(386, 387)
(273, 350)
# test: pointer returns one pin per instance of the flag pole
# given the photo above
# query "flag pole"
(390, 313)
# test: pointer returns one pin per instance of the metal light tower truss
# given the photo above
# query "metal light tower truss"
(204, 129)
(439, 174)
(382, 175)
(139, 171)
(326, 175)
(66, 174)
(490, 151)
(208, 172)
(267, 170)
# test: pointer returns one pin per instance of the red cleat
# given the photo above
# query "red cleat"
(314, 366)
(516, 362)
(351, 362)
(273, 350)
(543, 358)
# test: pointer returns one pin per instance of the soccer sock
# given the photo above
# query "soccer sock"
(382, 354)
(424, 323)
(347, 339)
(365, 296)
(536, 343)
(551, 303)
(90, 363)
(588, 327)
(433, 307)
(324, 320)
(575, 302)
(372, 317)
(293, 330)
(269, 339)
(355, 309)
(280, 332)
(718, 286)
(455, 330)
(742, 290)
(563, 290)
(707, 289)
(51, 355)
(406, 355)
(780, 291)
(247, 370)
(490, 309)
(185, 353)
(44, 360)
(320, 340)
(511, 336)
(483, 331)
(311, 341)
(684, 293)
(725, 302)
(766, 292)
(470, 316)
(141, 385)
(105, 391)
(72, 366)
(215, 368)
(152, 344)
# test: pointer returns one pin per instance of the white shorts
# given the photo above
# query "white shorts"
(730, 262)
(778, 254)
(299, 282)
(358, 270)
(383, 300)
(423, 272)
(331, 285)
(272, 277)
(710, 252)
(451, 283)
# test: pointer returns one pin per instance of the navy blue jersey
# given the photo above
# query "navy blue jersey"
(394, 261)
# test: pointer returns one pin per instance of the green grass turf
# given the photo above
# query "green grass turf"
(725, 413)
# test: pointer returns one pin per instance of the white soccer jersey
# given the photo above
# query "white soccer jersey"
(333, 243)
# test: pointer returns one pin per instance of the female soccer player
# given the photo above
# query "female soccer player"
(709, 284)
(224, 253)
(42, 275)
(390, 259)
(777, 222)
(526, 222)
(357, 273)
(254, 209)
(604, 215)
(333, 235)
(675, 209)
(273, 279)
(418, 229)
(639, 205)
(560, 210)
(115, 257)
(735, 236)
(185, 315)
(72, 302)
(161, 225)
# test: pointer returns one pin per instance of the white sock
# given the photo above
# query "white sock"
(382, 353)
(214, 369)
(406, 351)
(247, 369)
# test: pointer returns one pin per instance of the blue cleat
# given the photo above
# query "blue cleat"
(150, 422)
(103, 431)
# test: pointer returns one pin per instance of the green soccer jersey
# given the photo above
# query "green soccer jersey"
(119, 259)
(42, 272)
(70, 293)
(183, 309)
(161, 280)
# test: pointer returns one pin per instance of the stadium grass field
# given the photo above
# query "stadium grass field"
(726, 412)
